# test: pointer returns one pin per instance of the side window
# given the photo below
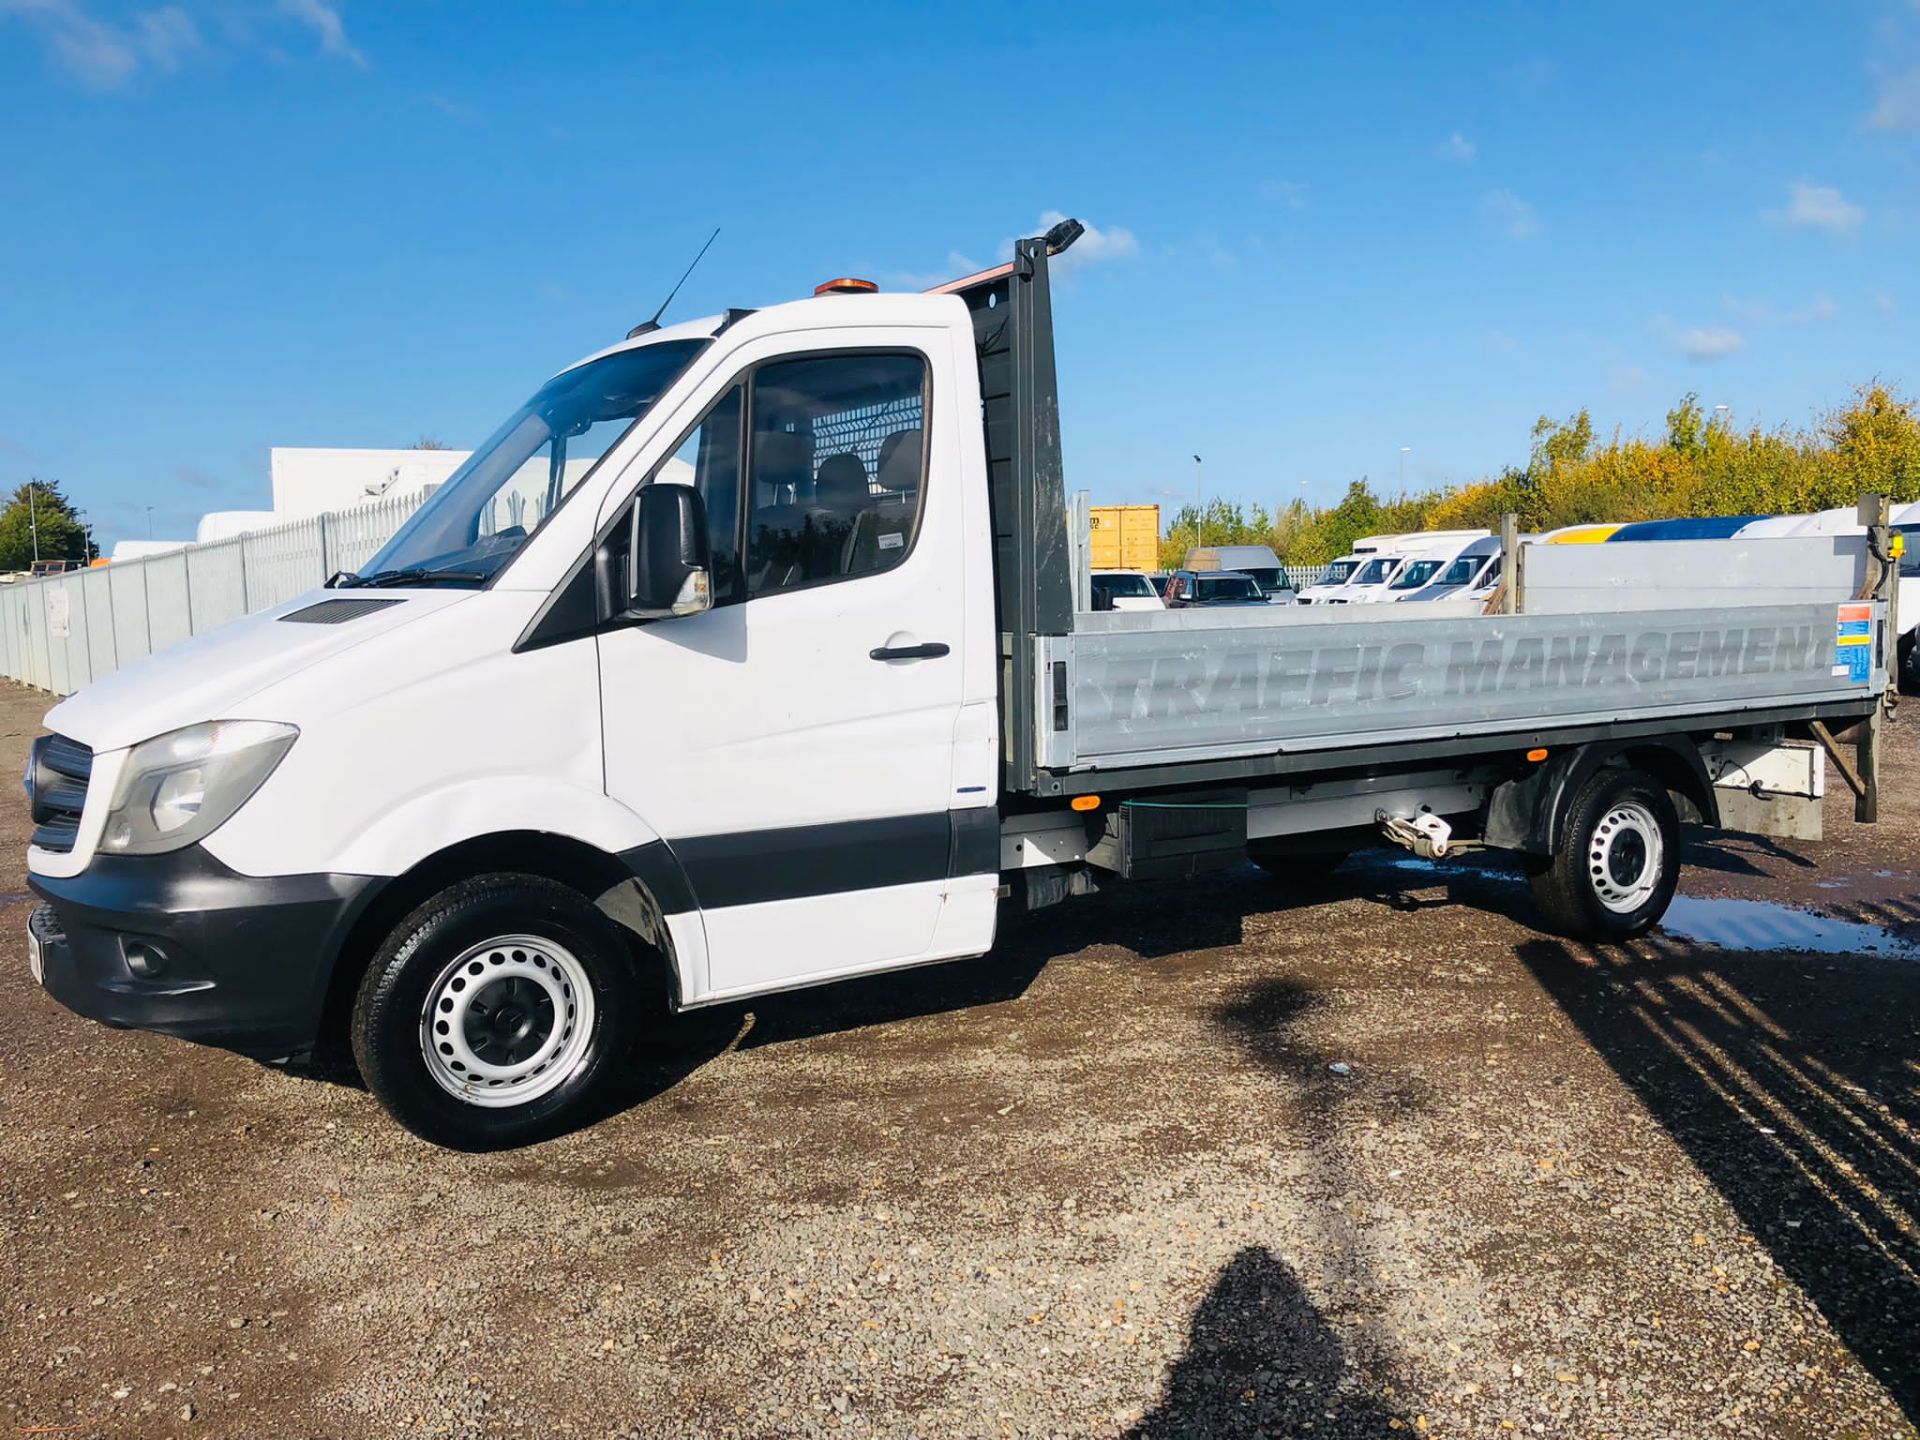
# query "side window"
(836, 475)
(709, 460)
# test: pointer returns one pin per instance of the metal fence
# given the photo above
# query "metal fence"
(65, 631)
(1301, 576)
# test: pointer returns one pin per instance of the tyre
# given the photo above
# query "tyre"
(1613, 872)
(1907, 667)
(496, 1014)
(1296, 867)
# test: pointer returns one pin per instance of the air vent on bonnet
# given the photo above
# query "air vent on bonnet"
(334, 612)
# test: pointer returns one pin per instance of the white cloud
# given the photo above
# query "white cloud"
(1626, 379)
(101, 55)
(110, 54)
(167, 35)
(324, 20)
(1529, 75)
(1897, 106)
(1290, 193)
(1761, 311)
(1114, 243)
(1819, 207)
(1705, 342)
(453, 109)
(1884, 303)
(1509, 214)
(1456, 147)
(1502, 342)
(958, 265)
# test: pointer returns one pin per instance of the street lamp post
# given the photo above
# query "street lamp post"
(33, 523)
(149, 522)
(1199, 501)
(1403, 470)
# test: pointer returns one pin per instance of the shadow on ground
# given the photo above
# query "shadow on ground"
(1260, 1359)
(1796, 1096)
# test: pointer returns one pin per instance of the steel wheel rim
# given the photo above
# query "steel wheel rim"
(1624, 857)
(506, 1021)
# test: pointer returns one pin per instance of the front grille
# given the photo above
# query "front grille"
(57, 778)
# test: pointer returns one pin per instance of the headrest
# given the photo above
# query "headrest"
(900, 462)
(780, 457)
(842, 483)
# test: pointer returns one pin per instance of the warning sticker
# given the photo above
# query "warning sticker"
(1853, 643)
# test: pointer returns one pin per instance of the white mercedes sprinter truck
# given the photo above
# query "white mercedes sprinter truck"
(743, 657)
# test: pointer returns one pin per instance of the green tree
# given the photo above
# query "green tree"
(61, 535)
(1557, 444)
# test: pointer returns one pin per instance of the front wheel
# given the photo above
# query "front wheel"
(496, 1013)
(1613, 872)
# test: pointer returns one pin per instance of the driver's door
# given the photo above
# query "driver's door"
(795, 744)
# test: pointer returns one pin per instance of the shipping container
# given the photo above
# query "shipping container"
(1125, 537)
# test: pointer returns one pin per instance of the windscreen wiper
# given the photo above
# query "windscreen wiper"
(416, 575)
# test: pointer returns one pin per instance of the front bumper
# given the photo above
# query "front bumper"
(181, 944)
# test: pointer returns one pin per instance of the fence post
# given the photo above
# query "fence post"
(1510, 563)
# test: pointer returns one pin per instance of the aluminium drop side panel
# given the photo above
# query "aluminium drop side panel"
(1248, 683)
(1683, 574)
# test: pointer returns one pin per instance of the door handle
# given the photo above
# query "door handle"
(933, 650)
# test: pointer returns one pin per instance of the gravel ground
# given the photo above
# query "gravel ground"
(1106, 1182)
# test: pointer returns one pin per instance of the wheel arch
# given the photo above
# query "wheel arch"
(1528, 812)
(629, 892)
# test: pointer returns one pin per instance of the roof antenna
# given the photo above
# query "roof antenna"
(648, 326)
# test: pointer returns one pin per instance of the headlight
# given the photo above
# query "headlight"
(181, 787)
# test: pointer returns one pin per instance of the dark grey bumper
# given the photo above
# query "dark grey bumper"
(232, 960)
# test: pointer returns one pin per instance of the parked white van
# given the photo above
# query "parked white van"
(1331, 588)
(1423, 555)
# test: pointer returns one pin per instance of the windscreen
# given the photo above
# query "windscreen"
(1461, 570)
(1128, 587)
(1416, 574)
(1338, 572)
(1225, 587)
(1910, 557)
(472, 525)
(1375, 571)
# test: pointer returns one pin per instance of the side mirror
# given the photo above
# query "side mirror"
(669, 571)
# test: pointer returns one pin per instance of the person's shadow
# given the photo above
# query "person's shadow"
(1260, 1359)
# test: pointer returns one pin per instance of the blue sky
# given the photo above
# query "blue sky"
(1323, 232)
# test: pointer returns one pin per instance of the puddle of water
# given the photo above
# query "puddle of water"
(1436, 870)
(1765, 925)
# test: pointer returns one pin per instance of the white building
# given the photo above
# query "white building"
(309, 482)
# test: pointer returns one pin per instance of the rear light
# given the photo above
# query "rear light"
(847, 285)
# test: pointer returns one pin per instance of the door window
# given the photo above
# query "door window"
(837, 470)
(709, 460)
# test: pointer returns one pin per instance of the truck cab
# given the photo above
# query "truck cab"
(726, 584)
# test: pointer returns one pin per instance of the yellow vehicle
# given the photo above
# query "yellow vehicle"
(1125, 537)
(1580, 535)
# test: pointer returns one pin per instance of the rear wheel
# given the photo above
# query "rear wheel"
(1907, 669)
(1614, 870)
(496, 1013)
